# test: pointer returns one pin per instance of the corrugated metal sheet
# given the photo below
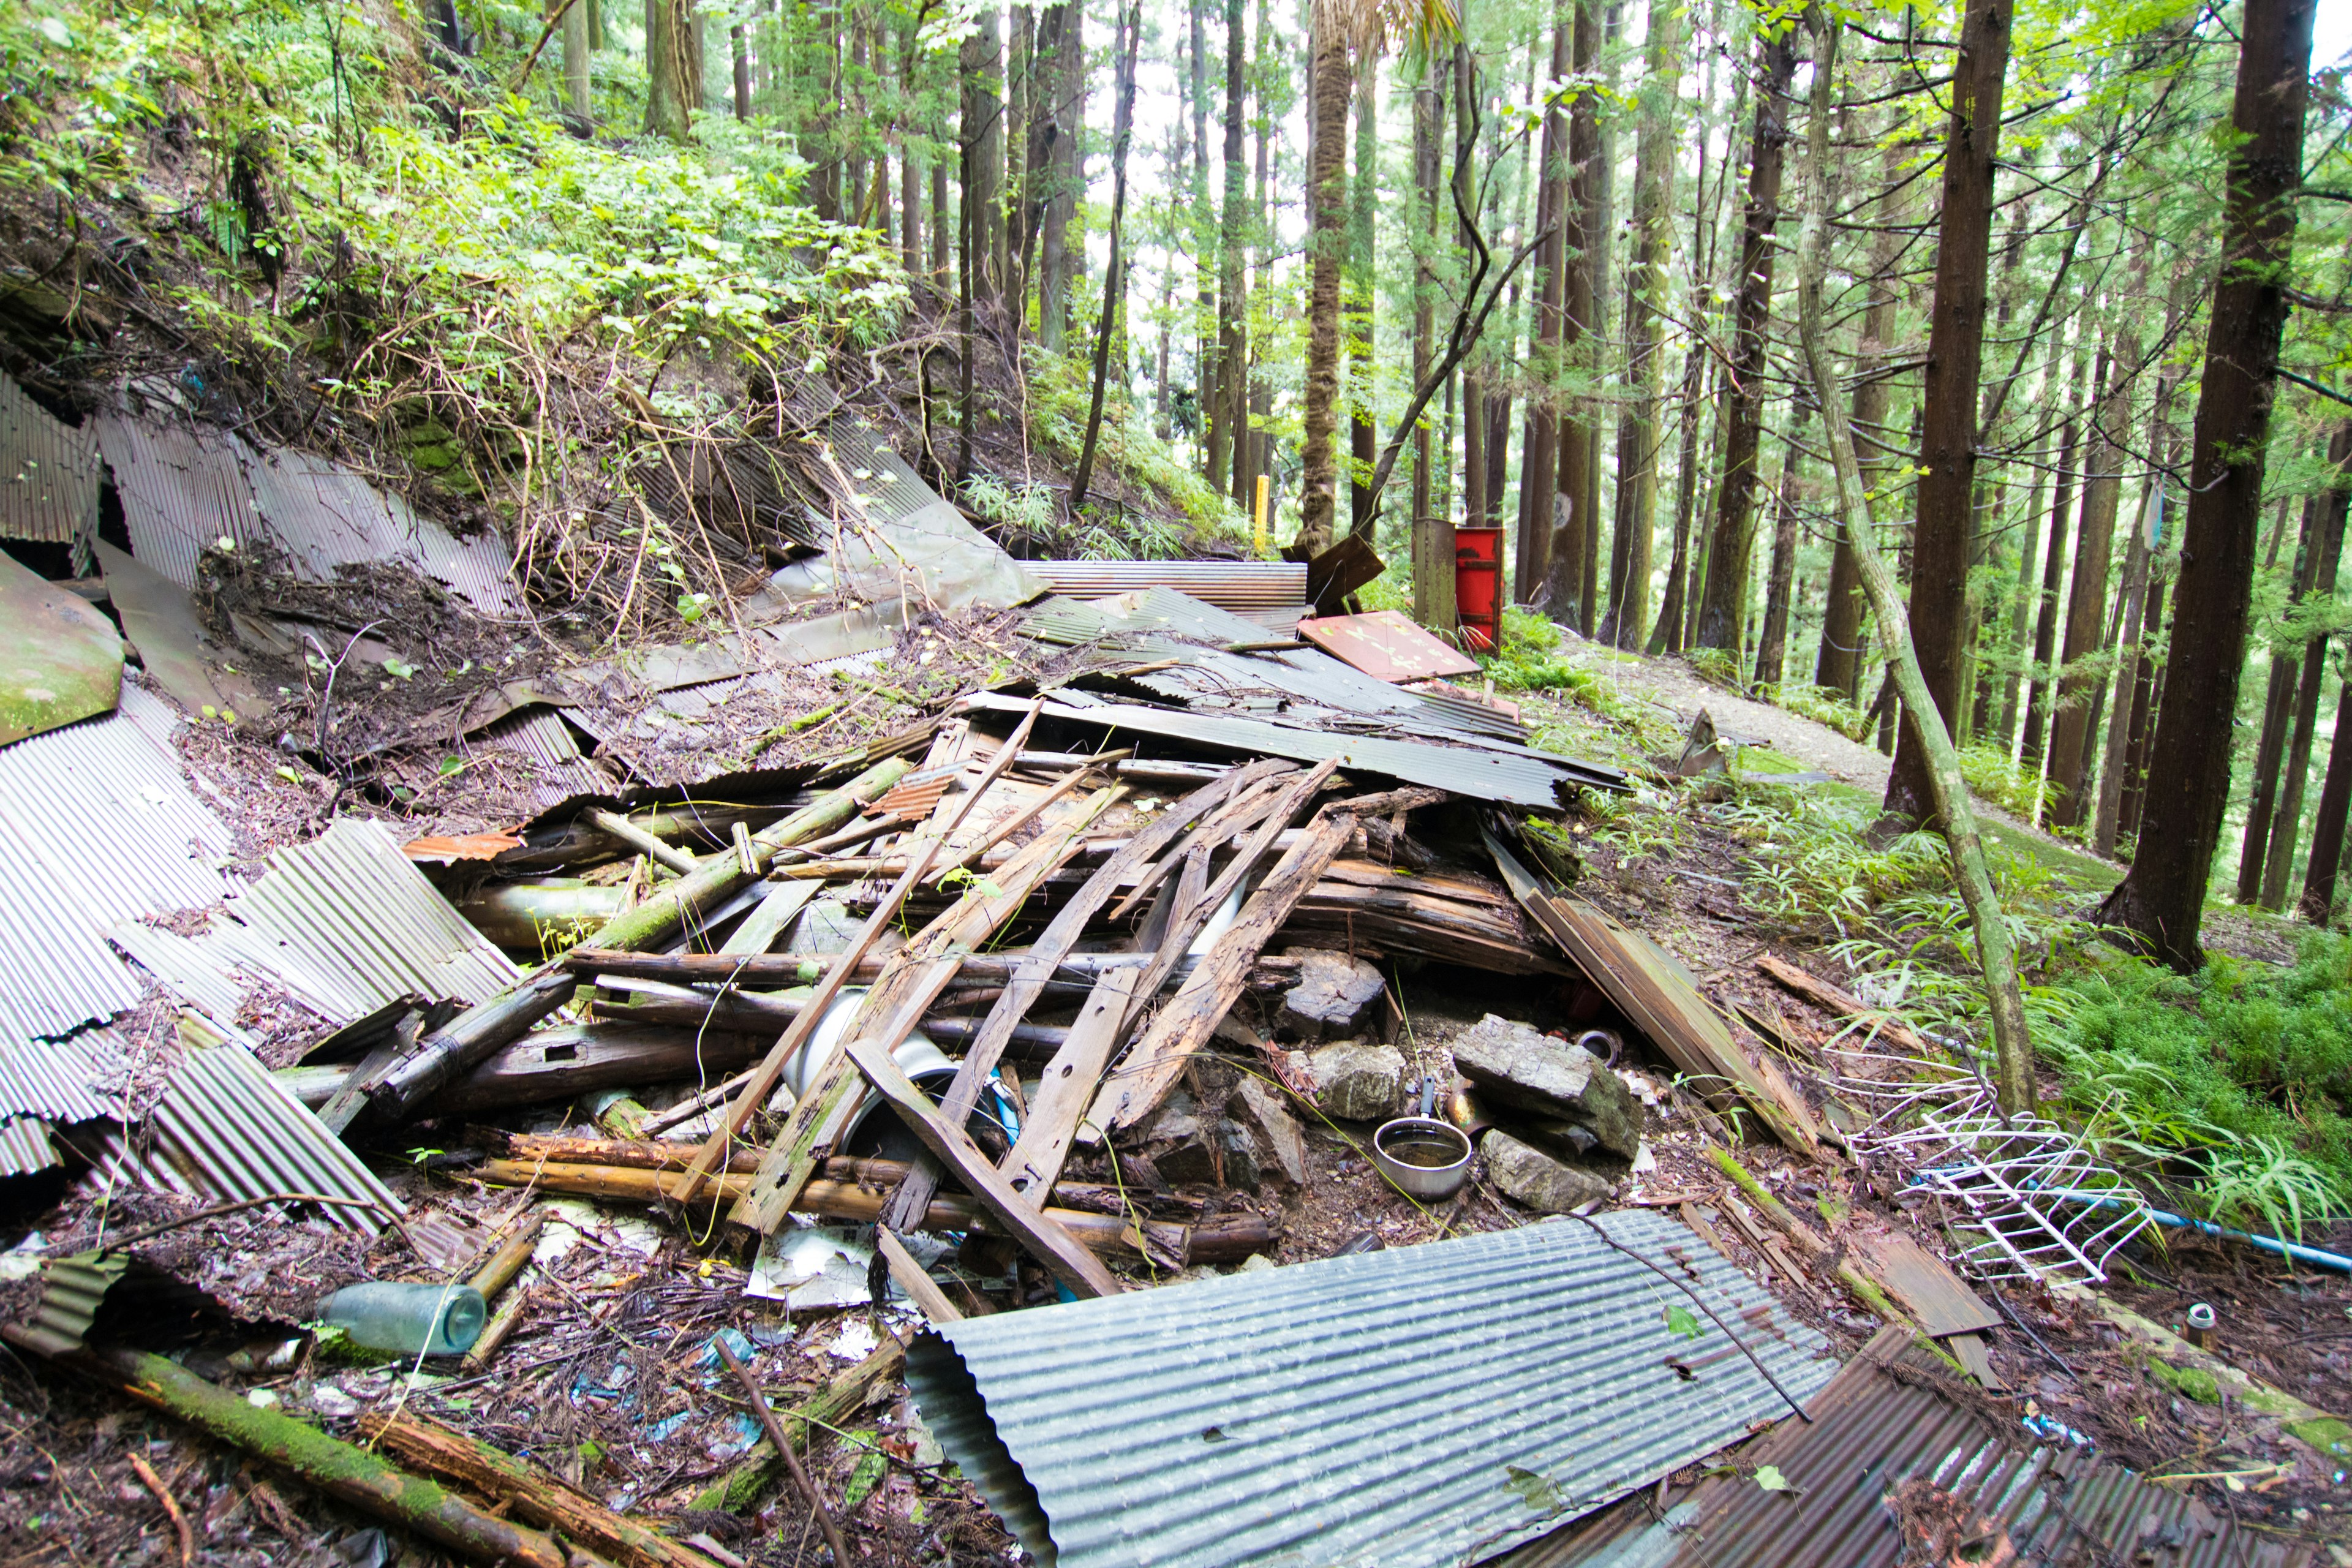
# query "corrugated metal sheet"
(185, 485)
(1068, 621)
(541, 734)
(183, 488)
(1427, 1405)
(348, 924)
(98, 824)
(326, 515)
(240, 1134)
(1240, 586)
(1387, 645)
(188, 967)
(48, 476)
(71, 1289)
(25, 1146)
(1508, 778)
(63, 1080)
(1870, 1434)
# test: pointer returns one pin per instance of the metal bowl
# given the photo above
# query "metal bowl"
(1422, 1157)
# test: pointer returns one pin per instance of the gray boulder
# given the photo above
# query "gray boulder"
(1334, 996)
(1185, 1143)
(1357, 1082)
(1534, 1178)
(1527, 1071)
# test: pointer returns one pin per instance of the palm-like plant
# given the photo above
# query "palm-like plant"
(1348, 33)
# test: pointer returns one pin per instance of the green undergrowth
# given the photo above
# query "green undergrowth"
(1535, 658)
(2228, 1094)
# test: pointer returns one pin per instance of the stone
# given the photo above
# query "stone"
(1334, 996)
(1524, 1070)
(1357, 1082)
(1281, 1143)
(1185, 1144)
(1534, 1178)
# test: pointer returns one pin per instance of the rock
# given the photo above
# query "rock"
(1184, 1144)
(1281, 1145)
(1333, 996)
(1357, 1082)
(1536, 1179)
(1527, 1071)
(1254, 1262)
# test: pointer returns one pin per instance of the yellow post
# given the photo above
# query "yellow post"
(1264, 543)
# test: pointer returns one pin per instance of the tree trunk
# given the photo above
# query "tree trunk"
(2020, 636)
(2280, 865)
(1363, 435)
(1230, 411)
(2278, 703)
(670, 101)
(1638, 434)
(1772, 639)
(2054, 573)
(1251, 439)
(911, 219)
(2147, 693)
(1602, 220)
(1540, 442)
(1326, 185)
(1837, 664)
(576, 56)
(2163, 897)
(1572, 540)
(1060, 118)
(1940, 542)
(1428, 127)
(1122, 130)
(2130, 621)
(940, 225)
(982, 134)
(1723, 607)
(2321, 871)
(2086, 603)
(1673, 610)
(2013, 1050)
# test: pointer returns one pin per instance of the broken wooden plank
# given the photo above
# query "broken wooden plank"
(1143, 1080)
(1246, 808)
(465, 1041)
(909, 984)
(1771, 1207)
(1045, 957)
(1936, 1296)
(768, 918)
(1068, 1087)
(1845, 1003)
(522, 1492)
(1045, 1239)
(771, 1070)
(914, 1278)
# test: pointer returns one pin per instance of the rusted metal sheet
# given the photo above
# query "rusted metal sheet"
(175, 648)
(1658, 996)
(60, 660)
(1422, 1406)
(1241, 586)
(1919, 1280)
(48, 475)
(1876, 1439)
(183, 488)
(98, 824)
(1386, 646)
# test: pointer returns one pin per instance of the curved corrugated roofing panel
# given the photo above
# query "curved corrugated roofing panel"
(183, 488)
(98, 824)
(48, 473)
(351, 924)
(25, 1146)
(244, 1136)
(1423, 1405)
(1236, 585)
(60, 1081)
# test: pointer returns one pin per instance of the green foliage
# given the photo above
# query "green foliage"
(1993, 776)
(1819, 703)
(1719, 665)
(2237, 1079)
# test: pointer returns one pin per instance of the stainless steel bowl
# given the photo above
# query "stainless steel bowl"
(1422, 1157)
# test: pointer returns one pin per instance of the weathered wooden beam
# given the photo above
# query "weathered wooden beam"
(763, 1081)
(342, 1470)
(521, 1492)
(1068, 1088)
(1045, 1241)
(914, 1280)
(1045, 958)
(1142, 1081)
